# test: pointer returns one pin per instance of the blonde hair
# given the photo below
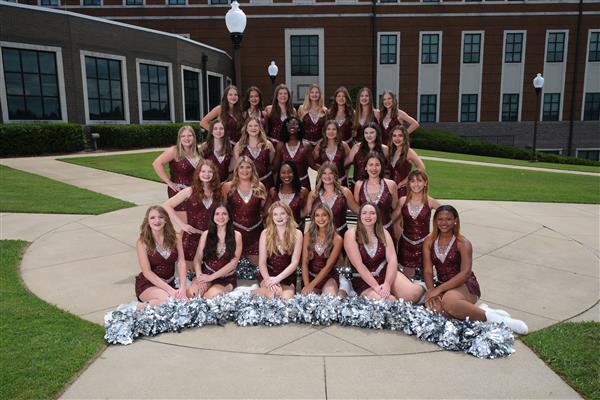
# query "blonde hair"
(180, 150)
(361, 232)
(435, 231)
(257, 189)
(262, 136)
(337, 186)
(170, 237)
(289, 238)
(415, 174)
(313, 231)
(370, 117)
(306, 106)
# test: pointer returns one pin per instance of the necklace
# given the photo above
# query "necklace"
(255, 152)
(414, 211)
(442, 251)
(245, 196)
(292, 150)
(286, 197)
(371, 247)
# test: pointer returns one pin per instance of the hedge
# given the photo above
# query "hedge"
(37, 139)
(431, 139)
(140, 136)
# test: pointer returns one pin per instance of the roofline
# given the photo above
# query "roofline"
(107, 21)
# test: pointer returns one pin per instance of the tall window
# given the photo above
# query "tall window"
(31, 84)
(387, 49)
(91, 2)
(305, 55)
(215, 90)
(468, 108)
(551, 107)
(430, 48)
(513, 48)
(191, 90)
(104, 88)
(428, 108)
(471, 48)
(52, 3)
(594, 47)
(134, 2)
(591, 108)
(556, 46)
(510, 107)
(154, 84)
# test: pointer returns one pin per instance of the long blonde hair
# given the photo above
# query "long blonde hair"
(435, 231)
(337, 186)
(306, 106)
(170, 237)
(257, 189)
(313, 231)
(414, 174)
(180, 150)
(370, 117)
(289, 238)
(245, 138)
(361, 232)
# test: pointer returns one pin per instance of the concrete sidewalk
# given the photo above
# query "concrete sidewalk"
(538, 261)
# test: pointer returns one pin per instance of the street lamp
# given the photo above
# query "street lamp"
(272, 70)
(235, 19)
(538, 84)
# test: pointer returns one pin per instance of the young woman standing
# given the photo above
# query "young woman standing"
(229, 111)
(313, 114)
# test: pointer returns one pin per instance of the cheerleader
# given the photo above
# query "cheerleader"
(277, 112)
(288, 190)
(371, 142)
(451, 254)
(229, 111)
(365, 112)
(254, 145)
(293, 148)
(402, 159)
(218, 254)
(392, 116)
(280, 251)
(331, 148)
(313, 114)
(370, 249)
(253, 105)
(217, 148)
(182, 159)
(246, 197)
(341, 111)
(158, 249)
(200, 199)
(321, 249)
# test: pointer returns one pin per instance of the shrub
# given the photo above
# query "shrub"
(141, 136)
(37, 139)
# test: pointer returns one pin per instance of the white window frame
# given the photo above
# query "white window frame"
(60, 75)
(587, 62)
(222, 77)
(578, 149)
(177, 5)
(559, 149)
(86, 105)
(133, 5)
(42, 5)
(438, 66)
(200, 86)
(320, 32)
(86, 5)
(564, 62)
(169, 66)
(523, 54)
(479, 64)
(462, 46)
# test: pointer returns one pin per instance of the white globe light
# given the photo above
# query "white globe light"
(235, 19)
(538, 81)
(273, 69)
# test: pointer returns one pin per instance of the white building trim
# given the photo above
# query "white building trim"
(506, 67)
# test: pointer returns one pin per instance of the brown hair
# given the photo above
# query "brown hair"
(361, 232)
(170, 237)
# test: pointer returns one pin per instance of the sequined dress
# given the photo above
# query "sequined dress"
(182, 172)
(294, 200)
(298, 155)
(313, 130)
(449, 266)
(222, 164)
(262, 163)
(198, 214)
(212, 266)
(163, 267)
(386, 129)
(346, 130)
(339, 208)
(376, 264)
(247, 220)
(383, 201)
(416, 229)
(316, 264)
(399, 172)
(275, 125)
(232, 129)
(276, 263)
(337, 158)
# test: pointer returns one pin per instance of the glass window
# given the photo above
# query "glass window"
(510, 107)
(513, 48)
(551, 110)
(387, 49)
(468, 108)
(53, 3)
(589, 154)
(594, 47)
(431, 1)
(388, 1)
(155, 93)
(591, 108)
(177, 2)
(191, 89)
(105, 89)
(215, 91)
(428, 108)
(219, 1)
(556, 46)
(31, 84)
(134, 2)
(430, 48)
(471, 48)
(305, 55)
(91, 2)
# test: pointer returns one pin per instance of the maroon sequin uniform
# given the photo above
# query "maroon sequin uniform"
(384, 203)
(197, 216)
(399, 172)
(313, 132)
(346, 131)
(410, 255)
(296, 206)
(359, 162)
(276, 263)
(301, 161)
(212, 266)
(222, 166)
(451, 267)
(338, 160)
(316, 265)
(372, 264)
(247, 220)
(386, 133)
(182, 172)
(163, 268)
(262, 163)
(339, 210)
(275, 125)
(232, 129)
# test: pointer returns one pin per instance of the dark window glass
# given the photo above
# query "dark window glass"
(177, 2)
(388, 1)
(305, 55)
(53, 3)
(589, 154)
(155, 94)
(513, 48)
(471, 48)
(591, 108)
(510, 107)
(219, 1)
(387, 49)
(556, 46)
(430, 48)
(134, 2)
(215, 90)
(191, 88)
(91, 2)
(31, 84)
(468, 108)
(594, 47)
(428, 108)
(551, 110)
(105, 88)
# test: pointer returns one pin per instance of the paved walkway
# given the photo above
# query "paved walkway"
(538, 261)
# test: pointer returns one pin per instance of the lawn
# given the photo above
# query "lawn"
(572, 350)
(42, 347)
(138, 165)
(25, 192)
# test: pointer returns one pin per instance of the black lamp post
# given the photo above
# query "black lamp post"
(272, 70)
(235, 19)
(538, 84)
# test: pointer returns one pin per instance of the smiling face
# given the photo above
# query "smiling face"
(253, 128)
(254, 98)
(218, 130)
(221, 217)
(321, 218)
(340, 99)
(156, 220)
(368, 215)
(282, 96)
(314, 94)
(232, 96)
(245, 171)
(327, 176)
(186, 138)
(417, 184)
(387, 100)
(364, 99)
(206, 173)
(292, 127)
(286, 174)
(373, 167)
(397, 137)
(370, 135)
(280, 217)
(445, 221)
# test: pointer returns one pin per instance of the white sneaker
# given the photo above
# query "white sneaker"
(485, 307)
(515, 325)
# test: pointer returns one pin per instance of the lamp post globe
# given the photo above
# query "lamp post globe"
(538, 84)
(235, 20)
(273, 70)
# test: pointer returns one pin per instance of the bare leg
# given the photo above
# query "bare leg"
(408, 272)
(216, 290)
(153, 296)
(371, 294)
(287, 292)
(266, 292)
(330, 287)
(460, 304)
(403, 288)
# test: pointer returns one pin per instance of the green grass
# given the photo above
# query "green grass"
(572, 350)
(42, 347)
(138, 165)
(25, 192)
(507, 161)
